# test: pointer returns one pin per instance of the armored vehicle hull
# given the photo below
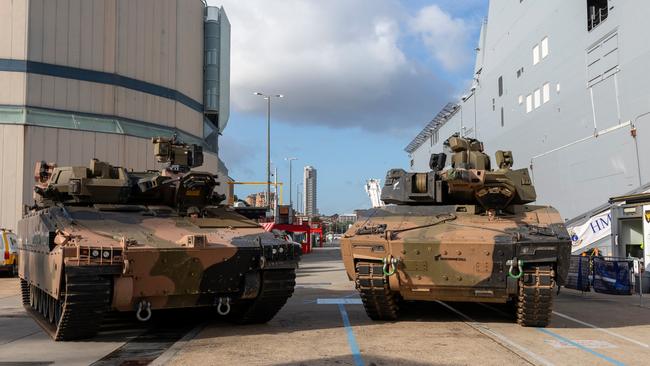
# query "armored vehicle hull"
(101, 238)
(451, 253)
(78, 264)
(461, 232)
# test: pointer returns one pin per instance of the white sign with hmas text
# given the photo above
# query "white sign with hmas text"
(596, 228)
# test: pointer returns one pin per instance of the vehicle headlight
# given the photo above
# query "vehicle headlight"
(94, 253)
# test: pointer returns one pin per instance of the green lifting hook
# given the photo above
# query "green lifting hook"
(392, 262)
(520, 265)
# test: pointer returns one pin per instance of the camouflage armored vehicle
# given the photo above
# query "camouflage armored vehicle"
(461, 232)
(102, 238)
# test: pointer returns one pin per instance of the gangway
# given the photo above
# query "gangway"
(373, 189)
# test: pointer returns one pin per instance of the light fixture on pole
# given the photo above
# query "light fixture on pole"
(290, 184)
(268, 141)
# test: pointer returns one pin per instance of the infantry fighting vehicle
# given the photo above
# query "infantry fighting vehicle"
(461, 232)
(102, 238)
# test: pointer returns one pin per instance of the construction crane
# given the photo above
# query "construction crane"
(373, 189)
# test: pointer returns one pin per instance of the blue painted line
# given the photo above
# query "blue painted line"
(340, 301)
(579, 346)
(75, 73)
(352, 341)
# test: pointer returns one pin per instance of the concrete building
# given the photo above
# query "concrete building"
(258, 199)
(84, 79)
(310, 207)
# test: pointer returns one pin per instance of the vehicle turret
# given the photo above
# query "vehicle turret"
(175, 185)
(468, 179)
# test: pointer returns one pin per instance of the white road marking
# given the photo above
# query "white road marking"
(492, 334)
(601, 329)
(589, 343)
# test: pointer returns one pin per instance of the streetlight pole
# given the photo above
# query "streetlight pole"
(268, 142)
(290, 183)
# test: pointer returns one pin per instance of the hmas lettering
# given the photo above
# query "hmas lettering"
(601, 223)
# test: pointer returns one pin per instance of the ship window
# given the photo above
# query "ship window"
(538, 98)
(544, 47)
(536, 54)
(597, 12)
(502, 117)
(500, 85)
(529, 103)
(546, 93)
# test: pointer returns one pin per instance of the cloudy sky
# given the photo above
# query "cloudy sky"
(360, 79)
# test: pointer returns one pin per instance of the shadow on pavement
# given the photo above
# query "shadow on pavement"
(369, 360)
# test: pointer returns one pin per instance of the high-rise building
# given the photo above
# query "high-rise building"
(310, 207)
(98, 79)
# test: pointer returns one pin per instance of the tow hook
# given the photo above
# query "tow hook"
(223, 308)
(143, 306)
(520, 266)
(390, 265)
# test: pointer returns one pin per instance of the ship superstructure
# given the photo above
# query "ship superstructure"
(565, 86)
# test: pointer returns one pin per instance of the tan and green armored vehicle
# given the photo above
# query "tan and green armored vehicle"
(462, 232)
(102, 238)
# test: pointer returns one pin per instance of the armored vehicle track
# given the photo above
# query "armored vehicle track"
(380, 303)
(277, 287)
(80, 310)
(535, 301)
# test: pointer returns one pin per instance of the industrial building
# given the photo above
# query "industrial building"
(99, 79)
(310, 207)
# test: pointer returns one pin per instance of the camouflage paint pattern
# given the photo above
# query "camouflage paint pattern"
(461, 259)
(161, 237)
(160, 264)
(453, 233)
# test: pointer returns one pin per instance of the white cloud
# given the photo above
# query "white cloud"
(445, 36)
(338, 62)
